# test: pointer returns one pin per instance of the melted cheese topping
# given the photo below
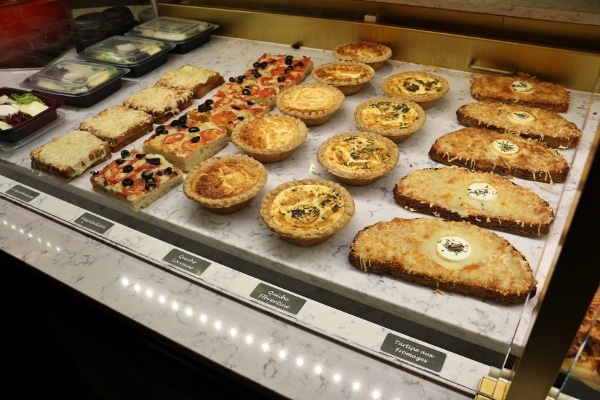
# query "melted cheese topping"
(505, 147)
(388, 115)
(226, 179)
(453, 248)
(115, 121)
(269, 132)
(307, 207)
(157, 99)
(73, 150)
(358, 153)
(310, 98)
(482, 191)
(418, 84)
(363, 51)
(186, 76)
(450, 188)
(343, 72)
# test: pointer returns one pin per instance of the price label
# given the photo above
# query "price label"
(186, 262)
(278, 298)
(94, 223)
(414, 352)
(22, 193)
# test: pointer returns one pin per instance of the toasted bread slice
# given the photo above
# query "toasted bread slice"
(521, 89)
(485, 150)
(70, 155)
(186, 145)
(484, 199)
(446, 255)
(161, 102)
(137, 179)
(196, 79)
(118, 125)
(530, 122)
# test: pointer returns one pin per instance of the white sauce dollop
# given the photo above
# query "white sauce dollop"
(505, 147)
(482, 191)
(521, 117)
(522, 87)
(453, 248)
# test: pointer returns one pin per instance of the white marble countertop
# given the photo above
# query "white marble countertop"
(483, 324)
(585, 12)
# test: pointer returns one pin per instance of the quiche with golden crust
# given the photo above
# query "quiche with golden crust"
(530, 122)
(482, 149)
(358, 158)
(348, 76)
(307, 212)
(446, 255)
(225, 184)
(422, 87)
(481, 198)
(270, 138)
(312, 103)
(370, 53)
(393, 117)
(521, 89)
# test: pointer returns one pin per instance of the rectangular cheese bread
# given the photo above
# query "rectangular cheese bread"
(70, 155)
(160, 102)
(196, 79)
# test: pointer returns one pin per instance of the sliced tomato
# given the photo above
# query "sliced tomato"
(138, 186)
(223, 118)
(278, 71)
(189, 146)
(173, 137)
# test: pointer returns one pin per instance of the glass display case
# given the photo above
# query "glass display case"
(480, 348)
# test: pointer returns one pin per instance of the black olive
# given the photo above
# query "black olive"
(94, 173)
(281, 79)
(232, 79)
(204, 107)
(209, 102)
(127, 182)
(128, 168)
(154, 161)
(125, 153)
(240, 118)
(250, 102)
(147, 174)
(289, 60)
(139, 156)
(168, 170)
(174, 123)
(195, 139)
(246, 92)
(300, 64)
(237, 108)
(296, 45)
(150, 184)
(183, 118)
(193, 129)
(264, 64)
(160, 129)
(241, 78)
(119, 161)
(256, 74)
(290, 68)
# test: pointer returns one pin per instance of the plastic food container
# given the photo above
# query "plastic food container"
(77, 82)
(184, 34)
(138, 55)
(28, 119)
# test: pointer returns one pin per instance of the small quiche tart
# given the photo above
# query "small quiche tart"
(312, 103)
(358, 158)
(307, 212)
(421, 87)
(393, 117)
(270, 138)
(348, 76)
(225, 184)
(372, 54)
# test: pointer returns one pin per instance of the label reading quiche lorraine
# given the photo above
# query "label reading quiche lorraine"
(307, 207)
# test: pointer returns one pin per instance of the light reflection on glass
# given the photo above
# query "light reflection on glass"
(233, 332)
(318, 370)
(355, 385)
(249, 339)
(149, 293)
(189, 312)
(175, 306)
(162, 299)
(266, 347)
(137, 287)
(203, 318)
(337, 378)
(282, 354)
(376, 394)
(218, 325)
(299, 361)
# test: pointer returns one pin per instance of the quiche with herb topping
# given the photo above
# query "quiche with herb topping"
(393, 117)
(370, 53)
(422, 87)
(446, 255)
(482, 149)
(358, 158)
(481, 198)
(307, 212)
(530, 122)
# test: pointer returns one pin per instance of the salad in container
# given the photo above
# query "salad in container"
(23, 113)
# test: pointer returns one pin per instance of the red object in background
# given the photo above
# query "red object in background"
(33, 32)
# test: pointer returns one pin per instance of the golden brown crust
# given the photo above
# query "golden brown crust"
(483, 199)
(529, 122)
(69, 155)
(370, 53)
(271, 137)
(521, 89)
(312, 103)
(422, 87)
(587, 366)
(486, 150)
(409, 249)
(393, 117)
(225, 184)
(348, 76)
(118, 125)
(161, 102)
(307, 212)
(196, 79)
(358, 158)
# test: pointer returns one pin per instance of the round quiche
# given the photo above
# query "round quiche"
(307, 212)
(225, 184)
(270, 138)
(348, 76)
(370, 53)
(393, 117)
(312, 103)
(421, 87)
(358, 158)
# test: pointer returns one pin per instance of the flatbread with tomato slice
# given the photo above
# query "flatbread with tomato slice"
(137, 179)
(185, 142)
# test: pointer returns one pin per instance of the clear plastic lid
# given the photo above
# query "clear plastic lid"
(172, 29)
(74, 77)
(125, 50)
